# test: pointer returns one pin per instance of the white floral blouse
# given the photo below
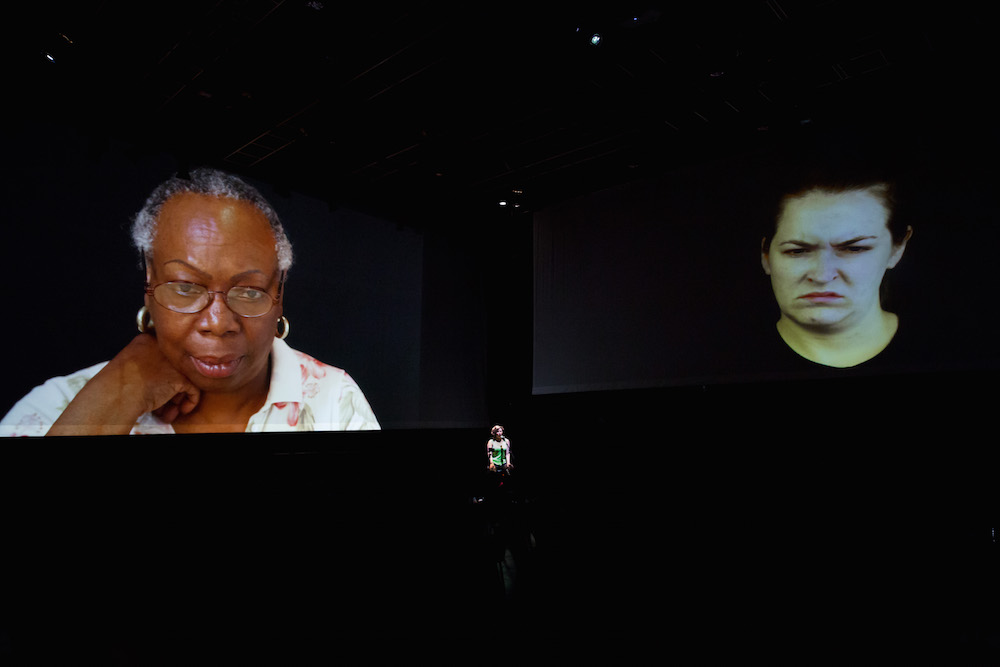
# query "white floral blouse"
(305, 395)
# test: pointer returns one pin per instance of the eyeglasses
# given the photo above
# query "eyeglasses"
(184, 297)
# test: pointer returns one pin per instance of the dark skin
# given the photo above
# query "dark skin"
(201, 372)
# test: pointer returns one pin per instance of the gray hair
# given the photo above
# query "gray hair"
(214, 183)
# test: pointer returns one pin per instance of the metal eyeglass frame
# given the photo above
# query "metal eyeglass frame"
(150, 289)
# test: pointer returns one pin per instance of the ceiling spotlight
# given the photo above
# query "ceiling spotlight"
(595, 39)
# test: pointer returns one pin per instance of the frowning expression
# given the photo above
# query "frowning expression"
(828, 257)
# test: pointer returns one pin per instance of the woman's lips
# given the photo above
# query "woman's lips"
(822, 297)
(216, 367)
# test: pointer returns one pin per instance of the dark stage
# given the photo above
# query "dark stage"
(377, 548)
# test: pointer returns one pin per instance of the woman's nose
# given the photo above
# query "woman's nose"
(825, 267)
(217, 317)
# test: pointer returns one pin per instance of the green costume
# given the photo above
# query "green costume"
(498, 452)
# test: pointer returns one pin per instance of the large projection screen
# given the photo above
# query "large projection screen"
(659, 282)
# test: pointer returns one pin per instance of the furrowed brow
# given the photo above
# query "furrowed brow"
(246, 274)
(238, 276)
(188, 266)
(855, 240)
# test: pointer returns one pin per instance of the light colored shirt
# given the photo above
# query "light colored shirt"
(498, 451)
(304, 395)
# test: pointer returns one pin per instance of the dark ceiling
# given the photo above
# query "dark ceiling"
(404, 107)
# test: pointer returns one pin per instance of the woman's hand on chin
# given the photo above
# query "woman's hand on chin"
(165, 391)
(181, 404)
(137, 380)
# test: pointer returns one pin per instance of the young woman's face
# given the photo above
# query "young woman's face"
(828, 256)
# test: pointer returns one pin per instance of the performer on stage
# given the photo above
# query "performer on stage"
(498, 451)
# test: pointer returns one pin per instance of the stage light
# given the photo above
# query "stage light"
(595, 39)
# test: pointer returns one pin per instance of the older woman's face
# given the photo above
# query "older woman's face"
(219, 243)
(829, 254)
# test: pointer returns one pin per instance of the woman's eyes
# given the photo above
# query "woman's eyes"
(844, 250)
(186, 289)
(247, 293)
(193, 290)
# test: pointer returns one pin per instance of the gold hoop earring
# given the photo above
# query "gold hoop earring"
(144, 320)
(283, 328)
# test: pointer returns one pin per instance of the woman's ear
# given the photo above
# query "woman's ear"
(765, 260)
(147, 270)
(897, 250)
(148, 277)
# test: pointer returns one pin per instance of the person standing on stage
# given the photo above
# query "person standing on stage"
(498, 451)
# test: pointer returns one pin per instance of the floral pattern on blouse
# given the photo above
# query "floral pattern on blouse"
(305, 395)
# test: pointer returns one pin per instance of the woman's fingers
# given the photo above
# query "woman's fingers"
(181, 403)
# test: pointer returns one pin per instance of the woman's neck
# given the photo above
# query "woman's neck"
(840, 348)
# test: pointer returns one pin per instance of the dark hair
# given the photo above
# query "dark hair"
(837, 162)
(883, 191)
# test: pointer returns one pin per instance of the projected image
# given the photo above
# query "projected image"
(834, 254)
(211, 354)
(827, 259)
